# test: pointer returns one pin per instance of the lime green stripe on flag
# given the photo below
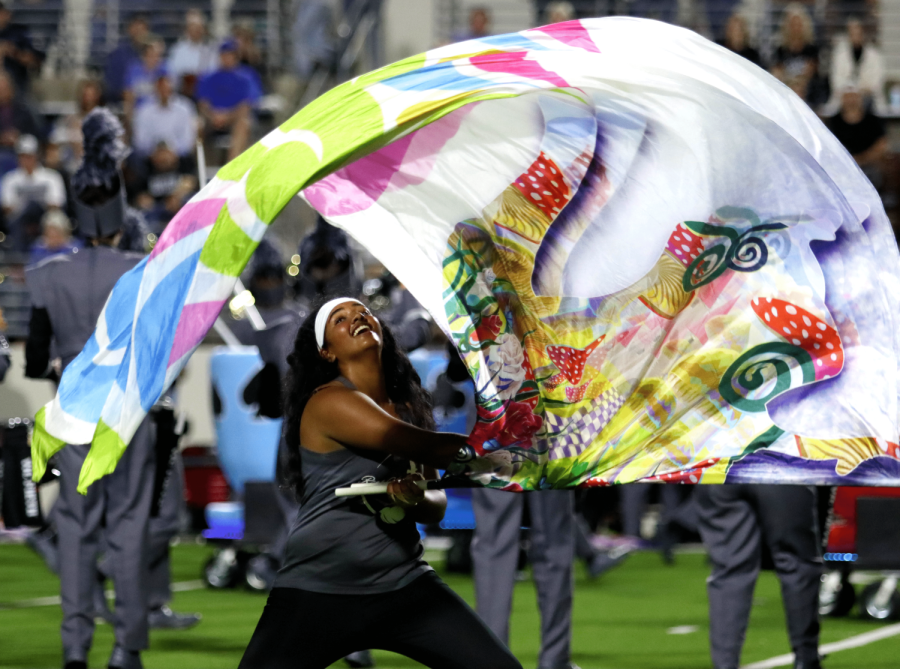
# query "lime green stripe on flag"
(228, 248)
(106, 451)
(43, 445)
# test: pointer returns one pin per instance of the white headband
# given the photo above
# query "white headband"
(325, 313)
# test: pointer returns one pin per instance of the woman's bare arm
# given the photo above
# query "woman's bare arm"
(351, 418)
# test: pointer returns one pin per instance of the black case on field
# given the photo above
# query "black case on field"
(18, 493)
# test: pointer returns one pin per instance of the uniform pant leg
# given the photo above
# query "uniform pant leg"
(162, 529)
(730, 531)
(78, 519)
(552, 556)
(584, 549)
(788, 516)
(129, 495)
(495, 554)
(632, 502)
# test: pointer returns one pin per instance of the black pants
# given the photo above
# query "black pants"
(425, 621)
(735, 520)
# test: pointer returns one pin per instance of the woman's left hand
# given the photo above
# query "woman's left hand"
(404, 492)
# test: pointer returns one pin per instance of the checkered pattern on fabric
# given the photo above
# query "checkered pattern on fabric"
(573, 434)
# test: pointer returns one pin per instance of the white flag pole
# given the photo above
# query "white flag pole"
(377, 488)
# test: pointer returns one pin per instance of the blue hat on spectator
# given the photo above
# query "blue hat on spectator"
(228, 44)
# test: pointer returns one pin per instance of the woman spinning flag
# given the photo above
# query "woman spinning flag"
(354, 576)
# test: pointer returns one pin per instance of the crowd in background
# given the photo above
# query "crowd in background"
(170, 96)
(168, 99)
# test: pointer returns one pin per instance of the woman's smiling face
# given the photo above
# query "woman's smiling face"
(350, 330)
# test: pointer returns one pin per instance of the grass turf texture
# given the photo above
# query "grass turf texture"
(620, 620)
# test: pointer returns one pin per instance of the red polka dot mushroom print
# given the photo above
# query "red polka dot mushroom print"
(806, 330)
(554, 381)
(691, 475)
(570, 361)
(576, 394)
(684, 245)
(543, 185)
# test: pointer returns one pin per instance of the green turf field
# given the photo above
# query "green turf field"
(621, 621)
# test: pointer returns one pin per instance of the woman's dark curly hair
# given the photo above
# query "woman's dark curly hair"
(308, 371)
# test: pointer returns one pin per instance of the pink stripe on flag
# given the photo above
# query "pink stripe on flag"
(516, 63)
(357, 186)
(571, 33)
(192, 217)
(194, 324)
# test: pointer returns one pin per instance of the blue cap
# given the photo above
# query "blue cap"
(228, 44)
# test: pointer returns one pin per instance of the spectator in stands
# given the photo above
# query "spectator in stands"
(838, 12)
(248, 53)
(737, 39)
(557, 12)
(20, 58)
(66, 133)
(159, 174)
(16, 118)
(857, 62)
(121, 58)
(718, 17)
(28, 192)
(225, 99)
(56, 237)
(140, 81)
(660, 10)
(174, 194)
(479, 25)
(164, 139)
(166, 117)
(312, 38)
(862, 134)
(193, 55)
(796, 60)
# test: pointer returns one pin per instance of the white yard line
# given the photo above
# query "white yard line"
(181, 586)
(29, 603)
(184, 586)
(852, 642)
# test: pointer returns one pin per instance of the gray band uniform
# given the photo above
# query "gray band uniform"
(73, 289)
(161, 529)
(495, 552)
(735, 520)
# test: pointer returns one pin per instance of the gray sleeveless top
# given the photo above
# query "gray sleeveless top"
(350, 545)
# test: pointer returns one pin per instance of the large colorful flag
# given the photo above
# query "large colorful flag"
(655, 260)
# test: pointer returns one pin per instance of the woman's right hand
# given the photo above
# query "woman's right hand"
(404, 492)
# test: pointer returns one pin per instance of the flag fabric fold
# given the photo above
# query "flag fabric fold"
(655, 260)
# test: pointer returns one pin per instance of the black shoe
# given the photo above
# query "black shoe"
(809, 664)
(124, 659)
(361, 658)
(74, 659)
(668, 555)
(164, 618)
